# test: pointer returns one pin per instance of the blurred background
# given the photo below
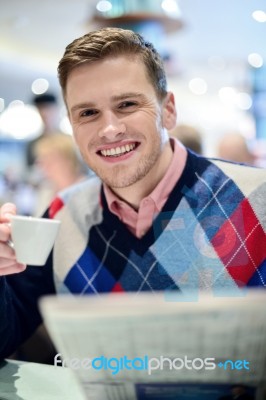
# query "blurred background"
(214, 53)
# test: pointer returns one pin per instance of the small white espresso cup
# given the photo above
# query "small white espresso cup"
(33, 238)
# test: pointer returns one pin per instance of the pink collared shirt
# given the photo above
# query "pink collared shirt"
(138, 222)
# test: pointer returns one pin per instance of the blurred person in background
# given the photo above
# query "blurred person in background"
(233, 146)
(59, 165)
(189, 136)
(48, 108)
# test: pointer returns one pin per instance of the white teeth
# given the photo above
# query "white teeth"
(116, 151)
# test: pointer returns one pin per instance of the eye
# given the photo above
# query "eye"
(127, 104)
(88, 113)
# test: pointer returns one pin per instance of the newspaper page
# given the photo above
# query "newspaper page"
(144, 346)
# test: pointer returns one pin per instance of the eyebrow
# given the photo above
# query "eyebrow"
(127, 95)
(119, 97)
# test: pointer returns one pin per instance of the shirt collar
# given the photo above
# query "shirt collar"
(161, 192)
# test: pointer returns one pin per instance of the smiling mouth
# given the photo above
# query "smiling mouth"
(118, 151)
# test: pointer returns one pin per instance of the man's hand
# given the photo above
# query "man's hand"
(8, 262)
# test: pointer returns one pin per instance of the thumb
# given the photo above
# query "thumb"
(6, 211)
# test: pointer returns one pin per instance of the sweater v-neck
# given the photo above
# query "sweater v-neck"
(187, 178)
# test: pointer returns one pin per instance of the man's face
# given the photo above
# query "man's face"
(118, 122)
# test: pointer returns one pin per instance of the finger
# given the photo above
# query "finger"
(12, 269)
(6, 211)
(4, 234)
(7, 262)
(7, 251)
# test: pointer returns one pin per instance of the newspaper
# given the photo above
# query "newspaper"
(145, 346)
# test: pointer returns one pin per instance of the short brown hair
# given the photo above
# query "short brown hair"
(113, 42)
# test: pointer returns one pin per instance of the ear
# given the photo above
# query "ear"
(169, 111)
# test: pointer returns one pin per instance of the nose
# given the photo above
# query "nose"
(111, 126)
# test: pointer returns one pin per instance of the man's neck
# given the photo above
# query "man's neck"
(133, 194)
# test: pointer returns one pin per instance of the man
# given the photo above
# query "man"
(159, 217)
(233, 146)
(48, 109)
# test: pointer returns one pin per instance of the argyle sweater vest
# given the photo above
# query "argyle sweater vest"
(209, 235)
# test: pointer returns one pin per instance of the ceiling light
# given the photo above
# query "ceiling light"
(243, 101)
(255, 60)
(20, 121)
(39, 86)
(227, 95)
(259, 16)
(104, 6)
(134, 14)
(16, 103)
(171, 8)
(198, 86)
